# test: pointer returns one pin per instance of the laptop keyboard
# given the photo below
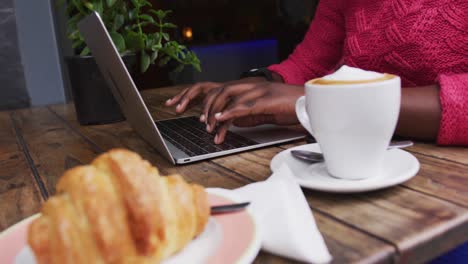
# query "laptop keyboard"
(189, 135)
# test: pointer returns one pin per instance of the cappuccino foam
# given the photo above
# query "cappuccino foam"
(351, 75)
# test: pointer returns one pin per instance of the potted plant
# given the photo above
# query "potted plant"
(141, 36)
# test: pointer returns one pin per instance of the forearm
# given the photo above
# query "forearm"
(420, 113)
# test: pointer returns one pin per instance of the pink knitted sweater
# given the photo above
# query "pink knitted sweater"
(423, 41)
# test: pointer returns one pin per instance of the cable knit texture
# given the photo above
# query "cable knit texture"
(423, 41)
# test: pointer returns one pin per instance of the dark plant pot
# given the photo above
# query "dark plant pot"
(94, 102)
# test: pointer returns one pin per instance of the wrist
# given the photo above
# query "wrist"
(254, 79)
(277, 77)
(264, 73)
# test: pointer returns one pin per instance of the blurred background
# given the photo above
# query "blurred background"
(229, 37)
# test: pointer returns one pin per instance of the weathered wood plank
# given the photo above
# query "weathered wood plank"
(343, 245)
(411, 220)
(213, 175)
(441, 178)
(19, 195)
(253, 164)
(52, 145)
(457, 154)
(155, 101)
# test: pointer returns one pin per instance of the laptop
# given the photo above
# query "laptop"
(180, 140)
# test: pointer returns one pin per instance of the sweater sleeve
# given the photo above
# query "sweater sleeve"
(321, 49)
(454, 102)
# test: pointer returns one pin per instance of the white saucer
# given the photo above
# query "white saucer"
(399, 166)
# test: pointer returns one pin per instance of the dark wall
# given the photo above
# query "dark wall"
(226, 21)
(13, 93)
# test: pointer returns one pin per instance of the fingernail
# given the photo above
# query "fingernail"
(216, 139)
(218, 115)
(178, 106)
(208, 128)
(168, 100)
(202, 118)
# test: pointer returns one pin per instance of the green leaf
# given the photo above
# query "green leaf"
(197, 66)
(74, 35)
(194, 60)
(98, 6)
(159, 13)
(119, 20)
(179, 68)
(164, 61)
(145, 3)
(133, 14)
(79, 5)
(110, 3)
(182, 54)
(169, 25)
(134, 41)
(75, 19)
(136, 3)
(156, 47)
(145, 61)
(85, 52)
(124, 19)
(89, 6)
(147, 18)
(118, 40)
(150, 41)
(154, 56)
(157, 38)
(76, 44)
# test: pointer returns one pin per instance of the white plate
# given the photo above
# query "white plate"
(227, 238)
(399, 166)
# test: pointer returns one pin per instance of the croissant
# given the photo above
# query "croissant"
(118, 210)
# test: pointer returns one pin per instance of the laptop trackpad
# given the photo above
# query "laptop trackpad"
(266, 133)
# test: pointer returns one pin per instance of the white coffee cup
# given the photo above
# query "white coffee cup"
(353, 122)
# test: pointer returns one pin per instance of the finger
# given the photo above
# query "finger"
(203, 86)
(174, 100)
(231, 95)
(219, 101)
(221, 132)
(193, 93)
(247, 108)
(207, 101)
(209, 98)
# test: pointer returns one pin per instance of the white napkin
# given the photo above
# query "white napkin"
(288, 227)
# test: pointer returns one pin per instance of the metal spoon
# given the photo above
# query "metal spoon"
(228, 208)
(310, 156)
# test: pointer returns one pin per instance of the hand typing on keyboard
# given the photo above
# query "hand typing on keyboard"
(190, 136)
(246, 102)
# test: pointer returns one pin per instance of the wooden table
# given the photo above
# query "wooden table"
(410, 223)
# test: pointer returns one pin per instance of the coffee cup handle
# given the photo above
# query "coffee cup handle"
(302, 114)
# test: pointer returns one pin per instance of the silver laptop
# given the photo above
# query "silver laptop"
(180, 140)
